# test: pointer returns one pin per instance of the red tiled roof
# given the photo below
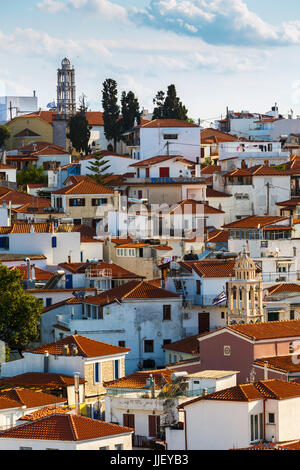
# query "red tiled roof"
(158, 159)
(254, 221)
(190, 206)
(18, 198)
(279, 288)
(117, 272)
(279, 363)
(39, 379)
(272, 389)
(213, 193)
(30, 398)
(86, 347)
(267, 330)
(211, 268)
(210, 135)
(131, 290)
(47, 411)
(216, 236)
(65, 427)
(210, 169)
(138, 380)
(40, 274)
(87, 233)
(290, 203)
(188, 345)
(44, 227)
(71, 301)
(84, 187)
(161, 123)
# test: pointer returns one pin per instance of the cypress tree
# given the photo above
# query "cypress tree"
(111, 111)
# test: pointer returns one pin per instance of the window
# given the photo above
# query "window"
(54, 242)
(126, 252)
(116, 369)
(97, 372)
(154, 426)
(119, 446)
(271, 418)
(4, 243)
(222, 315)
(129, 420)
(99, 202)
(100, 312)
(122, 344)
(166, 312)
(256, 427)
(104, 448)
(48, 302)
(292, 314)
(148, 346)
(77, 202)
(167, 341)
(170, 136)
(291, 348)
(227, 350)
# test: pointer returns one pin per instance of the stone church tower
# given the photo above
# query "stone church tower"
(245, 293)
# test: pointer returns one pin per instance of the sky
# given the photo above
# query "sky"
(237, 53)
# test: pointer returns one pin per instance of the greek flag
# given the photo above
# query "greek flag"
(220, 299)
(51, 105)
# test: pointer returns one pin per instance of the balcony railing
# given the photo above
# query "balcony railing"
(98, 273)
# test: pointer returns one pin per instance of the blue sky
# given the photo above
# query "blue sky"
(240, 53)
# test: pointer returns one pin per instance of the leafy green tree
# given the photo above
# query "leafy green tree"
(99, 167)
(79, 129)
(173, 107)
(4, 135)
(111, 112)
(169, 106)
(158, 102)
(20, 312)
(130, 110)
(31, 175)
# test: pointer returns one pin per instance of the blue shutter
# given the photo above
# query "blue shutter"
(54, 242)
(96, 372)
(116, 370)
(69, 281)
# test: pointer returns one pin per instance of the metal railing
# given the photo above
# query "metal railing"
(100, 273)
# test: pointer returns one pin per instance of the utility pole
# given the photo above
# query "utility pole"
(268, 198)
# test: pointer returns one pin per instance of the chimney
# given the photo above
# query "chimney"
(29, 277)
(46, 362)
(76, 389)
(266, 370)
(66, 351)
(204, 392)
(33, 273)
(243, 165)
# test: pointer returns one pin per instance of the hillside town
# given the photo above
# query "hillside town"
(149, 276)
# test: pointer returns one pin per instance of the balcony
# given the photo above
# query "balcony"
(167, 180)
(94, 273)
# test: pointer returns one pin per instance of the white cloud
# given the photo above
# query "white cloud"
(217, 22)
(30, 42)
(51, 6)
(104, 8)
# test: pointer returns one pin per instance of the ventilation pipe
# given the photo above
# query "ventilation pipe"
(266, 370)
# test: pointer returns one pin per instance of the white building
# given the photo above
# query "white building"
(136, 315)
(12, 106)
(165, 137)
(232, 154)
(18, 402)
(67, 432)
(238, 417)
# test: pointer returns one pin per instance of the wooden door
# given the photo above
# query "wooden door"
(203, 322)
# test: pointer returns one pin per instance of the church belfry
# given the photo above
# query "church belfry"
(245, 293)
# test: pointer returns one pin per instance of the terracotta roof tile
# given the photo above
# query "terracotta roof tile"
(254, 221)
(268, 330)
(213, 193)
(31, 398)
(210, 135)
(139, 380)
(211, 268)
(157, 159)
(188, 345)
(131, 290)
(84, 187)
(65, 427)
(116, 271)
(86, 347)
(38, 379)
(47, 411)
(40, 274)
(279, 363)
(272, 389)
(190, 206)
(284, 287)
